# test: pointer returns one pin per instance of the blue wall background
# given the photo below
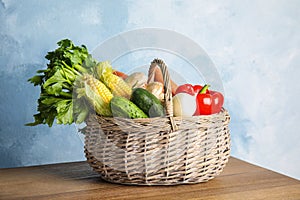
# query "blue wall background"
(255, 46)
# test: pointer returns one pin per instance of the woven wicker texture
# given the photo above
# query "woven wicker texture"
(158, 151)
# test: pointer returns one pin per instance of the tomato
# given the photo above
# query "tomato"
(197, 88)
(185, 88)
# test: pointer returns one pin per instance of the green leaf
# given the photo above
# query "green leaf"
(54, 89)
(89, 62)
(81, 110)
(37, 120)
(76, 57)
(50, 100)
(65, 43)
(65, 112)
(57, 77)
(36, 80)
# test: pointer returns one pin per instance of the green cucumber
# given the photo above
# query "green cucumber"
(147, 102)
(122, 107)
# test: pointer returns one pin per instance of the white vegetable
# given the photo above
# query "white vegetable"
(184, 105)
(137, 80)
(157, 89)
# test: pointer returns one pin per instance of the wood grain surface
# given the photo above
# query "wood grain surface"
(239, 180)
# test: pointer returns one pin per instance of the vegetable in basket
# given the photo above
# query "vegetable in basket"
(157, 89)
(67, 62)
(115, 83)
(208, 101)
(147, 102)
(155, 75)
(98, 95)
(120, 74)
(74, 83)
(137, 80)
(184, 105)
(122, 107)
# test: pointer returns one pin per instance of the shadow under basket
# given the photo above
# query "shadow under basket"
(158, 151)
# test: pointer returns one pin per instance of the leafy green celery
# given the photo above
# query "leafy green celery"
(58, 99)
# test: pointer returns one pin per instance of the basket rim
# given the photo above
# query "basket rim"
(196, 117)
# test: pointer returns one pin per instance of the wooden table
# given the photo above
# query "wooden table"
(239, 180)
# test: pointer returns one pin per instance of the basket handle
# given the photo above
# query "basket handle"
(167, 88)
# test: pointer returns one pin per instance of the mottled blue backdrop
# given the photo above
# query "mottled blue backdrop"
(255, 46)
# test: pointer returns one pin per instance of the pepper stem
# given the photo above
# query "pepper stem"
(204, 89)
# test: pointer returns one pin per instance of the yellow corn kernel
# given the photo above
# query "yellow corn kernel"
(100, 88)
(118, 86)
(98, 95)
(115, 83)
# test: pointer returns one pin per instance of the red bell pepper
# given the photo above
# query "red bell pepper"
(208, 101)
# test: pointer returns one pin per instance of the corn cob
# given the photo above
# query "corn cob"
(98, 95)
(115, 83)
(118, 86)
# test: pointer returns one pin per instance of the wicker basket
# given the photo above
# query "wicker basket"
(158, 151)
